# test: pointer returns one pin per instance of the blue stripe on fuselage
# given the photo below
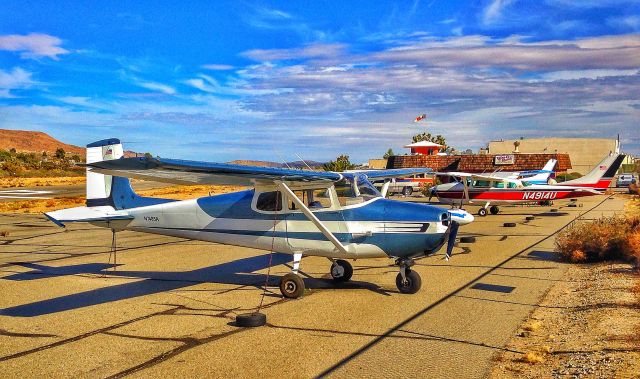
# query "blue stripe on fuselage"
(237, 205)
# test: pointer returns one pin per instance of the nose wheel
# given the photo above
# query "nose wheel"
(408, 281)
(341, 271)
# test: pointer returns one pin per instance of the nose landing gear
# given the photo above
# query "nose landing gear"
(341, 271)
(407, 280)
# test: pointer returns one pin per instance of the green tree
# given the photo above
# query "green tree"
(341, 163)
(60, 153)
(388, 153)
(13, 168)
(148, 155)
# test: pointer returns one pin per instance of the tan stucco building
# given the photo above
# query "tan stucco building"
(585, 153)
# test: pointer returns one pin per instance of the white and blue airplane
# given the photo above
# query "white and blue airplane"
(530, 176)
(340, 216)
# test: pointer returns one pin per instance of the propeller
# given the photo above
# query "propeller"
(453, 232)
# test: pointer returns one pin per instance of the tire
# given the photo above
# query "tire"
(412, 285)
(251, 320)
(345, 275)
(509, 224)
(467, 239)
(407, 191)
(494, 210)
(291, 286)
(482, 212)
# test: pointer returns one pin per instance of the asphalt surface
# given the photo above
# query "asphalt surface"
(168, 307)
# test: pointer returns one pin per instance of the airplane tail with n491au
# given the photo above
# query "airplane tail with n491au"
(340, 216)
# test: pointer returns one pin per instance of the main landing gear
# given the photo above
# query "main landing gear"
(493, 209)
(292, 285)
(407, 281)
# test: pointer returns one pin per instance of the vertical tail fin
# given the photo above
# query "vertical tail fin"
(601, 175)
(99, 186)
(110, 190)
(541, 176)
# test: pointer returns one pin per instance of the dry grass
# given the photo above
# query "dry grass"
(187, 192)
(15, 182)
(608, 238)
(173, 192)
(532, 325)
(532, 357)
(4, 233)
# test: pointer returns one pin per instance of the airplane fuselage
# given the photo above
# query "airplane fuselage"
(375, 228)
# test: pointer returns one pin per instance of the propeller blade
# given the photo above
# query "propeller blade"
(453, 232)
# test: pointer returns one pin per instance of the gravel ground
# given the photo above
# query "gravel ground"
(588, 326)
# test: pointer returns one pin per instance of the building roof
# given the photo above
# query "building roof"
(423, 144)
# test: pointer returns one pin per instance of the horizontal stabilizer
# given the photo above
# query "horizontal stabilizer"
(105, 214)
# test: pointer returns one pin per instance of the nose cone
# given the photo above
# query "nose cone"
(460, 216)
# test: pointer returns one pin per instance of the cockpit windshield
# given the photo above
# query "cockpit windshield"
(355, 190)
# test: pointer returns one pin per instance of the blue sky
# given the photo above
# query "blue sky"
(267, 80)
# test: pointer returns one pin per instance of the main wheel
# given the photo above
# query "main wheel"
(494, 209)
(291, 286)
(482, 212)
(407, 191)
(341, 271)
(411, 284)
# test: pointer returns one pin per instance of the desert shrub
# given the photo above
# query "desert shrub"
(608, 238)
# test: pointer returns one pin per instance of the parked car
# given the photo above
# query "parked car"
(625, 179)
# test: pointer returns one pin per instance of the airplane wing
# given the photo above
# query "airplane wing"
(196, 172)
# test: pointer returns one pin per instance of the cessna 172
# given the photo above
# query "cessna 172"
(334, 215)
(492, 190)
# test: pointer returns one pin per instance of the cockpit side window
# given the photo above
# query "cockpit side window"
(367, 191)
(269, 201)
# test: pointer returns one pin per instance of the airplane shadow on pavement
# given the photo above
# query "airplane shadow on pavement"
(238, 272)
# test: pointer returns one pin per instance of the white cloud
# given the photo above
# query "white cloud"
(217, 67)
(586, 74)
(14, 79)
(33, 45)
(610, 52)
(310, 51)
(493, 12)
(158, 87)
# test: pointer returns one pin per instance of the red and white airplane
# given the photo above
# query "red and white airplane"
(494, 190)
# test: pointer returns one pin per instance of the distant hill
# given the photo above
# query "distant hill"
(30, 141)
(295, 164)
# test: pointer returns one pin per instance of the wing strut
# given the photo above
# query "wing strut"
(305, 210)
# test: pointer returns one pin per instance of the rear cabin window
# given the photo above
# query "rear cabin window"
(269, 201)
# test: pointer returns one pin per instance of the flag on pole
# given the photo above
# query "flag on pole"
(420, 118)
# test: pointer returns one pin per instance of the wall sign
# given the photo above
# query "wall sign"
(504, 159)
